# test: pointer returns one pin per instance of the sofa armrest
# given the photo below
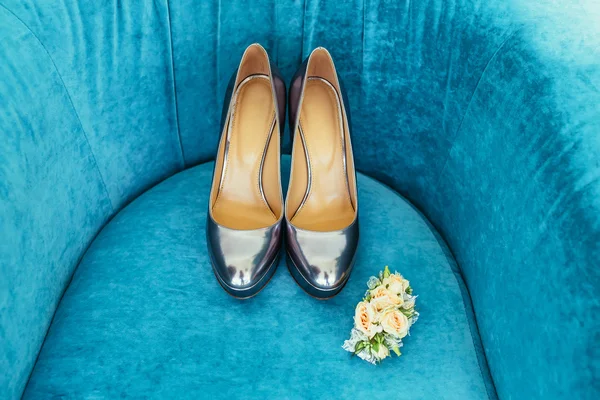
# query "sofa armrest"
(52, 198)
(519, 203)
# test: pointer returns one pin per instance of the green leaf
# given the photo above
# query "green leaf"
(386, 272)
(408, 313)
(376, 346)
(396, 350)
(359, 347)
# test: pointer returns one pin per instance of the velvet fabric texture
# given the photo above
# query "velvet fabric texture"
(52, 198)
(483, 113)
(145, 317)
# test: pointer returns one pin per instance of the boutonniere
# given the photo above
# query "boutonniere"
(383, 318)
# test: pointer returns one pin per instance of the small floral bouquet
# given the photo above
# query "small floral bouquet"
(383, 318)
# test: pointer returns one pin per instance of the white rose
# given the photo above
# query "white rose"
(396, 284)
(364, 319)
(395, 323)
(382, 352)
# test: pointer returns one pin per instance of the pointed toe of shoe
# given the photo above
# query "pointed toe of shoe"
(321, 262)
(243, 260)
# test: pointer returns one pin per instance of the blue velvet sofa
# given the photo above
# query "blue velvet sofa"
(477, 138)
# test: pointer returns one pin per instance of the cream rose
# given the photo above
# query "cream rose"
(395, 323)
(364, 319)
(382, 298)
(396, 284)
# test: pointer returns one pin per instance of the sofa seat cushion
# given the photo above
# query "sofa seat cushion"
(144, 316)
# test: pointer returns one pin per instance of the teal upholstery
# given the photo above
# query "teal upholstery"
(144, 315)
(482, 113)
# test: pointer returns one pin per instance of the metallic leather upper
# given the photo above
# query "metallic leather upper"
(244, 260)
(322, 261)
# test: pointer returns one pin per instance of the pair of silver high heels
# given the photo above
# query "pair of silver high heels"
(247, 218)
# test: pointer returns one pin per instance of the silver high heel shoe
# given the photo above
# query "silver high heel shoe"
(321, 208)
(245, 213)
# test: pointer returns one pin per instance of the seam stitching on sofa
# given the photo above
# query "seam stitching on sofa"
(457, 133)
(362, 41)
(462, 286)
(217, 58)
(468, 309)
(174, 83)
(456, 272)
(275, 25)
(302, 38)
(70, 101)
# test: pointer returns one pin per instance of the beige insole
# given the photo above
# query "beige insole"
(326, 205)
(240, 203)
